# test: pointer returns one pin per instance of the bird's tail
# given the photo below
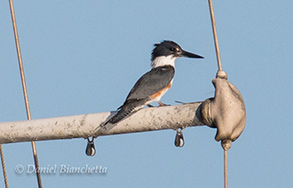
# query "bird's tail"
(130, 106)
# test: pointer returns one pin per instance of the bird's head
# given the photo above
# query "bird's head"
(166, 52)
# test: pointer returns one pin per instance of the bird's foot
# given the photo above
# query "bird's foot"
(180, 102)
(162, 104)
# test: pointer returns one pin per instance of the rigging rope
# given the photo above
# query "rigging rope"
(24, 88)
(226, 168)
(215, 35)
(223, 75)
(3, 166)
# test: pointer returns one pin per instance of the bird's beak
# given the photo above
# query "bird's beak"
(190, 55)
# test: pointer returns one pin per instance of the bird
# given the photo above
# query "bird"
(155, 83)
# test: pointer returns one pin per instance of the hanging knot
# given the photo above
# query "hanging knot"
(226, 144)
(222, 74)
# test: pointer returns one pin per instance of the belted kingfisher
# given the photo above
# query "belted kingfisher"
(155, 83)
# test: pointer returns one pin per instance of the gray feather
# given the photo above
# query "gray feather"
(151, 82)
(130, 106)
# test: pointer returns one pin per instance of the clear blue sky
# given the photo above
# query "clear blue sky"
(84, 56)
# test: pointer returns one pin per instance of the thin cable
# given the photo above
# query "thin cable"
(24, 88)
(3, 167)
(219, 69)
(215, 35)
(225, 168)
(226, 145)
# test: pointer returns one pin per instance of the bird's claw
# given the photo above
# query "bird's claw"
(162, 104)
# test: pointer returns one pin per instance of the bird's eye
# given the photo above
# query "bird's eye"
(176, 50)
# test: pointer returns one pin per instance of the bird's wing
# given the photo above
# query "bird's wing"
(151, 82)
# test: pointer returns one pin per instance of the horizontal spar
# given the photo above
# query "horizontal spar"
(87, 125)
